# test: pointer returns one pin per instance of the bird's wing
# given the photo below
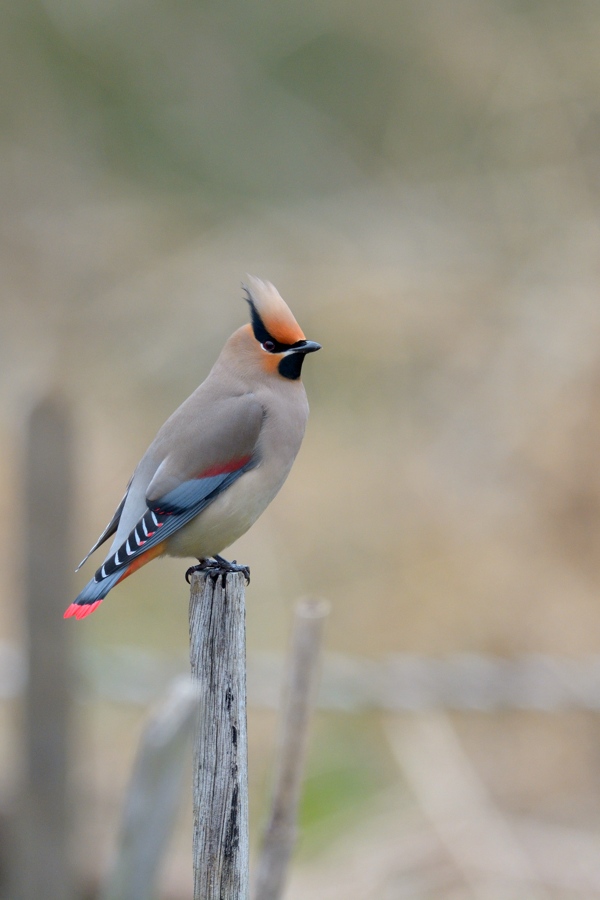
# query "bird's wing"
(110, 528)
(167, 514)
(186, 482)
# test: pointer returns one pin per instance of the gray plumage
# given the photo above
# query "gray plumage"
(219, 460)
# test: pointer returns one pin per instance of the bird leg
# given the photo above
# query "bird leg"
(216, 566)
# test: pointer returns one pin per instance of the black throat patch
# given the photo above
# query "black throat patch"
(291, 365)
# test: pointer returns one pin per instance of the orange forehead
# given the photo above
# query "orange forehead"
(274, 312)
(284, 331)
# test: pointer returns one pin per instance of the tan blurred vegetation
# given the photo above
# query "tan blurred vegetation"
(421, 181)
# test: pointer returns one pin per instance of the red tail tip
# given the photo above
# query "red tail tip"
(80, 611)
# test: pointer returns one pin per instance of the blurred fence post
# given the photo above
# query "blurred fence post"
(153, 796)
(218, 662)
(300, 689)
(43, 860)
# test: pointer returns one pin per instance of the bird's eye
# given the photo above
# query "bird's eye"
(269, 346)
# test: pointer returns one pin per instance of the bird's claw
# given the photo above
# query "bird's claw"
(203, 566)
(218, 567)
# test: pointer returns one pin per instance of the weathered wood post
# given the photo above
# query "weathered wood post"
(218, 662)
(153, 796)
(44, 869)
(300, 690)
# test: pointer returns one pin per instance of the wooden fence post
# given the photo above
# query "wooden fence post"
(153, 796)
(300, 690)
(218, 661)
(44, 869)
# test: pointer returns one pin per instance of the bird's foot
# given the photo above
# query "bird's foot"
(201, 567)
(233, 566)
(217, 566)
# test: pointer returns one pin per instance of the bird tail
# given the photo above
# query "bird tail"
(98, 587)
(91, 597)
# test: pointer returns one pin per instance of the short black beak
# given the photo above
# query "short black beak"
(307, 346)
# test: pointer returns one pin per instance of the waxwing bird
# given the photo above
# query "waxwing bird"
(219, 460)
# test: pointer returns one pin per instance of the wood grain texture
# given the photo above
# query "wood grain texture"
(220, 783)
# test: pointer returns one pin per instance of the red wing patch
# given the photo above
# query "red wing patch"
(224, 469)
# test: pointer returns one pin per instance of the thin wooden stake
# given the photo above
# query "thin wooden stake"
(44, 870)
(301, 682)
(218, 661)
(153, 796)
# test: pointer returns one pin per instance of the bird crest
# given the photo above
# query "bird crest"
(272, 319)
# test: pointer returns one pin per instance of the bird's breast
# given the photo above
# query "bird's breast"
(233, 512)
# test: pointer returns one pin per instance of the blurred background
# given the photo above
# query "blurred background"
(421, 181)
